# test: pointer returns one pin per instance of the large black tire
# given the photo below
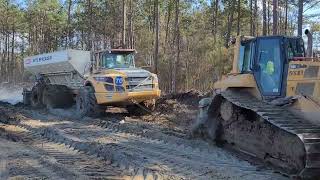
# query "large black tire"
(57, 96)
(86, 103)
(37, 96)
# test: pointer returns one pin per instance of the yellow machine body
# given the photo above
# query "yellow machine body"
(122, 86)
(124, 96)
(302, 81)
(268, 105)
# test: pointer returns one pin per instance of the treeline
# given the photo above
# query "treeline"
(184, 41)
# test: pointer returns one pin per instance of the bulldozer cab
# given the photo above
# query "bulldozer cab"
(114, 59)
(267, 58)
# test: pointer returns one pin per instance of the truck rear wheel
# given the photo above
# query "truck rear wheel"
(36, 96)
(86, 103)
(57, 96)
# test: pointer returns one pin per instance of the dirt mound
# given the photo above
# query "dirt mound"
(189, 98)
(7, 114)
(173, 102)
(177, 111)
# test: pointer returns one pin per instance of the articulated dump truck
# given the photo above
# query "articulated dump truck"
(93, 81)
(268, 105)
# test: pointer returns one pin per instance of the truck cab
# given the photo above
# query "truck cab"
(272, 65)
(114, 58)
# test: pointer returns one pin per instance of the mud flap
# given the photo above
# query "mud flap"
(26, 96)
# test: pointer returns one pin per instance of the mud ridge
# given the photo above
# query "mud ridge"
(85, 169)
(144, 152)
(153, 155)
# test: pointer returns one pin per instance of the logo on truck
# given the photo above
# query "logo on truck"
(119, 80)
(28, 61)
(38, 59)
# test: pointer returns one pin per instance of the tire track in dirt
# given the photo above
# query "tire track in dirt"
(57, 161)
(129, 150)
(147, 153)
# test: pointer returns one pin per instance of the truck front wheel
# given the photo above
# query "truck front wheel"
(86, 103)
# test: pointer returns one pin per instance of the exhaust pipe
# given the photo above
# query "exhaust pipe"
(309, 45)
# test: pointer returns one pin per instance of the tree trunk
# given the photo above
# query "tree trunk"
(300, 17)
(213, 28)
(11, 67)
(131, 33)
(286, 18)
(216, 18)
(254, 24)
(251, 19)
(239, 13)
(168, 21)
(90, 40)
(280, 19)
(124, 19)
(229, 27)
(157, 28)
(177, 47)
(268, 18)
(264, 14)
(214, 7)
(69, 24)
(275, 17)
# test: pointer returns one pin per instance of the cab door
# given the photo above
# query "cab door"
(268, 66)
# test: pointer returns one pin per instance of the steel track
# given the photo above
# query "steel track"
(282, 118)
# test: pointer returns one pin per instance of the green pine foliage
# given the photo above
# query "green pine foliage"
(193, 34)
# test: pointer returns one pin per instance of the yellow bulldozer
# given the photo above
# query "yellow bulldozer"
(268, 105)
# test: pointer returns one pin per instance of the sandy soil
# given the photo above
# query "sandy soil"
(24, 156)
(18, 161)
(150, 147)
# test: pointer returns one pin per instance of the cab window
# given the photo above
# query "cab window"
(295, 48)
(244, 61)
(115, 60)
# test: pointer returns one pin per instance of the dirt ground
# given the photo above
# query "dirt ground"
(24, 156)
(135, 147)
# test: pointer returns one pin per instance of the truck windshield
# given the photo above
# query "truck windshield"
(110, 61)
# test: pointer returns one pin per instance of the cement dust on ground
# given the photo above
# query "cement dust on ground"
(12, 94)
